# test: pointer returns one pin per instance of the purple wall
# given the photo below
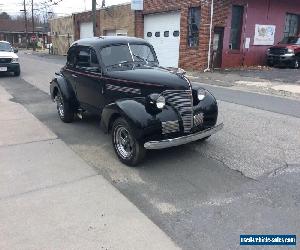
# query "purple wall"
(271, 12)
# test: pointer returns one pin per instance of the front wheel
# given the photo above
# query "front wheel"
(64, 108)
(127, 148)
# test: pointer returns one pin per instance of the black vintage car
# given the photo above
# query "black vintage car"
(143, 105)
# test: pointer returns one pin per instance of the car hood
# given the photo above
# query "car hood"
(152, 75)
(288, 46)
(8, 54)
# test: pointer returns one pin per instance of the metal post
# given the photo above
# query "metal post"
(94, 16)
(26, 27)
(33, 32)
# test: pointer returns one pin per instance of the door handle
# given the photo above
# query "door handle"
(75, 76)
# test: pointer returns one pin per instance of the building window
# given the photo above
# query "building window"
(176, 33)
(157, 34)
(236, 27)
(166, 33)
(292, 25)
(193, 26)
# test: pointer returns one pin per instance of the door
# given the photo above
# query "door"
(86, 30)
(89, 84)
(163, 32)
(218, 47)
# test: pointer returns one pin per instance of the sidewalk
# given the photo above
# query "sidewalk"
(51, 199)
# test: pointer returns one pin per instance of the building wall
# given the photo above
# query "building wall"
(256, 12)
(118, 17)
(270, 12)
(189, 58)
(62, 34)
(85, 17)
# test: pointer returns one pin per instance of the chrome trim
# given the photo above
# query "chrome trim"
(183, 140)
(198, 119)
(123, 89)
(170, 127)
(182, 101)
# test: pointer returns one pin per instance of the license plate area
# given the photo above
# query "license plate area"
(3, 69)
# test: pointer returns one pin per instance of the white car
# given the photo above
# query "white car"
(9, 61)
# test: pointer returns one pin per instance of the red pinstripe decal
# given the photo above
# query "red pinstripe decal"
(115, 79)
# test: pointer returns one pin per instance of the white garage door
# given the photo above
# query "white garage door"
(86, 30)
(163, 32)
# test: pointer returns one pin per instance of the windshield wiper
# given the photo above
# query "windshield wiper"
(141, 58)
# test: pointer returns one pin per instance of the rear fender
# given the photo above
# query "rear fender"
(59, 83)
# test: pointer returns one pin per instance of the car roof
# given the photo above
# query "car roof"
(103, 41)
(4, 42)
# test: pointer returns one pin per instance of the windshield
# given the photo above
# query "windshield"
(5, 47)
(125, 56)
(291, 40)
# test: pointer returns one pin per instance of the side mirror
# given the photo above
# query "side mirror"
(16, 50)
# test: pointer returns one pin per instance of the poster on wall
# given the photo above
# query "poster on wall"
(264, 34)
(137, 4)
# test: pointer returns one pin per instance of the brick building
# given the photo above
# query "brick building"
(233, 37)
(62, 32)
(113, 21)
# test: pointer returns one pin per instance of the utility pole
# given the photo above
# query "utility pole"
(94, 3)
(26, 27)
(33, 32)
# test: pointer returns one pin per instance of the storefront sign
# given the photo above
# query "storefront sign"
(137, 4)
(264, 34)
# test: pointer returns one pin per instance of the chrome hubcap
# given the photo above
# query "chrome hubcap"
(123, 142)
(60, 105)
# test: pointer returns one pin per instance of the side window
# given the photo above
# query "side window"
(94, 59)
(194, 17)
(71, 58)
(83, 57)
(236, 27)
(87, 59)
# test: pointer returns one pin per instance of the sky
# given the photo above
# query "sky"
(65, 7)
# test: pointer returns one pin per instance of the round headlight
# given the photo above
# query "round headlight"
(201, 94)
(160, 102)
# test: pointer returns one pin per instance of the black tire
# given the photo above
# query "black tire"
(64, 109)
(270, 64)
(17, 73)
(135, 152)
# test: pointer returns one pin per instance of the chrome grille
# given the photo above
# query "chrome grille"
(170, 127)
(5, 60)
(198, 119)
(182, 101)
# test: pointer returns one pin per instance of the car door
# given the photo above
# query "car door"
(69, 70)
(89, 83)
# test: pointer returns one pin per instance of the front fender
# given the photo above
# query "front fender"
(143, 120)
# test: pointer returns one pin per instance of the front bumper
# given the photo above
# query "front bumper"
(281, 59)
(184, 139)
(11, 67)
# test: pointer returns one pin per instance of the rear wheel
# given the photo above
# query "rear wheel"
(127, 148)
(64, 108)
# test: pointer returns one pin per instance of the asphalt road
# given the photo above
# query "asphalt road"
(203, 195)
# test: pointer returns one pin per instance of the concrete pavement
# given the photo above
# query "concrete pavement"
(51, 199)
